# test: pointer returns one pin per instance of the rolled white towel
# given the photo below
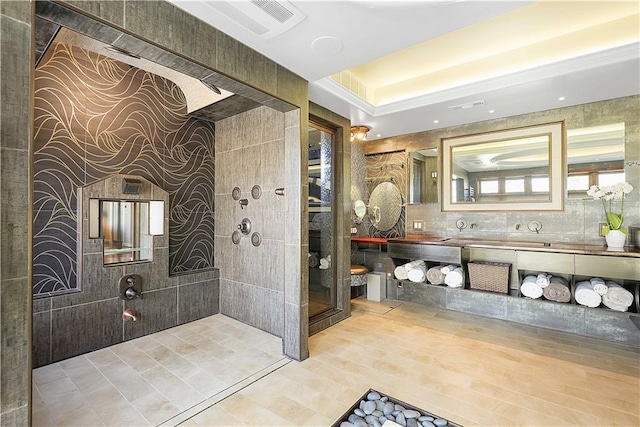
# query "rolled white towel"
(531, 289)
(542, 280)
(417, 274)
(617, 297)
(446, 269)
(324, 264)
(599, 285)
(586, 295)
(455, 278)
(412, 264)
(400, 272)
(435, 275)
(529, 279)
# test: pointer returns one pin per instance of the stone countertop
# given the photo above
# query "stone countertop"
(562, 247)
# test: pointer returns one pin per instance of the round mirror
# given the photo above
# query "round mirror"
(386, 205)
(360, 209)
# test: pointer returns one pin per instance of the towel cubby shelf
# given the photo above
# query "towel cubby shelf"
(600, 321)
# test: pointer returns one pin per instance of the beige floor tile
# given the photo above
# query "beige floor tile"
(128, 382)
(48, 373)
(156, 408)
(82, 417)
(472, 370)
(217, 417)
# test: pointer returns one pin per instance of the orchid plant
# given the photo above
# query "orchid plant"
(609, 194)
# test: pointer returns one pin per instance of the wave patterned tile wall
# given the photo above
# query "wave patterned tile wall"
(95, 116)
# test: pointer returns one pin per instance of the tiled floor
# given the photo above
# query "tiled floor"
(471, 370)
(153, 379)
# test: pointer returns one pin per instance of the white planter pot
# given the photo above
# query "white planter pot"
(615, 239)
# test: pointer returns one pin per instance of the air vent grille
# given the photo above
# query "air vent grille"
(467, 105)
(266, 18)
(275, 9)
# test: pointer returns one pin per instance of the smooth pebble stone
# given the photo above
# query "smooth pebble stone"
(361, 423)
(375, 423)
(369, 407)
(399, 407)
(377, 413)
(425, 418)
(395, 412)
(400, 419)
(440, 422)
(409, 413)
(362, 402)
(353, 418)
(359, 412)
(388, 408)
(346, 424)
(374, 395)
(379, 404)
(370, 418)
(412, 422)
(384, 398)
(428, 424)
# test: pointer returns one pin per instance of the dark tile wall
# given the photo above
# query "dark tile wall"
(15, 246)
(75, 323)
(250, 150)
(15, 139)
(95, 117)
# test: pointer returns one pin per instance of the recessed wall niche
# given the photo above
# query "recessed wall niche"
(95, 117)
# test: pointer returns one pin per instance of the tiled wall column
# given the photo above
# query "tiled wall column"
(15, 201)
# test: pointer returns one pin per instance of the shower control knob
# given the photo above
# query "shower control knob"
(245, 226)
(131, 293)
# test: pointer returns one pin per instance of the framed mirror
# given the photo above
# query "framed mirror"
(517, 169)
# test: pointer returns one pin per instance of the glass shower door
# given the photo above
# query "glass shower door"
(322, 283)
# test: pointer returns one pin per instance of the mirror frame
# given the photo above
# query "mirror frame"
(557, 168)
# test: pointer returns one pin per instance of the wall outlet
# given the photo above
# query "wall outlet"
(418, 225)
(354, 230)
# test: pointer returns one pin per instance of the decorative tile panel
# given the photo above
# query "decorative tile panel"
(94, 117)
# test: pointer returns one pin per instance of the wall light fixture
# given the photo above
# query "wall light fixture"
(359, 133)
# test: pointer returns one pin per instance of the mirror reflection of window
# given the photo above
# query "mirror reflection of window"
(595, 156)
(610, 178)
(540, 184)
(514, 185)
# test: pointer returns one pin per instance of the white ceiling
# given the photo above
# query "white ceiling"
(418, 58)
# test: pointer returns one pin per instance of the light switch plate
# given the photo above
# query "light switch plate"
(418, 225)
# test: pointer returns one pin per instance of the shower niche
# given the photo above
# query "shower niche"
(123, 214)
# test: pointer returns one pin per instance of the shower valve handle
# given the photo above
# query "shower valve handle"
(131, 293)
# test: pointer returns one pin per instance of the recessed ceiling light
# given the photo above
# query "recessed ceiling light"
(562, 98)
(436, 121)
(378, 135)
(492, 111)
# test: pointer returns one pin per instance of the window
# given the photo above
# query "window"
(514, 185)
(540, 184)
(489, 186)
(578, 182)
(610, 178)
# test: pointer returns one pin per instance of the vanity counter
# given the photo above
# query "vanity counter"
(563, 247)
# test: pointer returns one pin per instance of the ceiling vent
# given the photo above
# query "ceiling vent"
(467, 106)
(265, 18)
